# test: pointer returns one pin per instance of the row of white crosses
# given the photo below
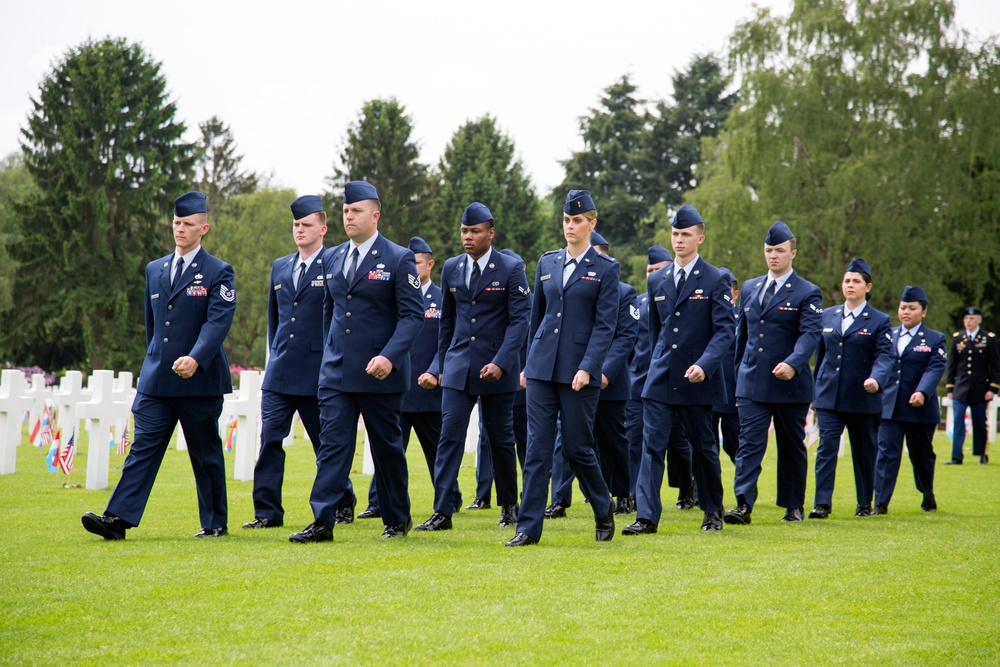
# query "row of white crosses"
(105, 405)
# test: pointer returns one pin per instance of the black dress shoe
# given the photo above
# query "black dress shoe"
(212, 532)
(984, 459)
(479, 504)
(622, 506)
(399, 530)
(713, 521)
(521, 540)
(640, 527)
(106, 525)
(685, 499)
(437, 521)
(555, 511)
(633, 507)
(792, 515)
(739, 516)
(953, 462)
(314, 532)
(880, 509)
(605, 526)
(820, 512)
(929, 504)
(345, 515)
(508, 515)
(863, 510)
(260, 522)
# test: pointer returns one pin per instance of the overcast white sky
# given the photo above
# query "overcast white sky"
(289, 77)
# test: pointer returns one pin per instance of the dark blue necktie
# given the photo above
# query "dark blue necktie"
(772, 287)
(178, 271)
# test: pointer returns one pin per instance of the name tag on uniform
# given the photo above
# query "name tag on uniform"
(827, 329)
(659, 298)
(197, 290)
(277, 287)
(154, 296)
(452, 289)
(547, 276)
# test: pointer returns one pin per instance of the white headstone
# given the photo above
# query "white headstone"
(101, 413)
(244, 404)
(69, 392)
(123, 392)
(13, 403)
(38, 393)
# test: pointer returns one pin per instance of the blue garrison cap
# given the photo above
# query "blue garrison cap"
(913, 293)
(355, 191)
(476, 213)
(727, 274)
(687, 216)
(578, 201)
(778, 233)
(657, 254)
(858, 265)
(972, 310)
(417, 244)
(306, 205)
(597, 239)
(190, 203)
(511, 253)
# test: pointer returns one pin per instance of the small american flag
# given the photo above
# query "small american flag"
(67, 454)
(124, 442)
(46, 432)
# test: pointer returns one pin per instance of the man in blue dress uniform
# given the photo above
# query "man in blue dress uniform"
(776, 337)
(973, 379)
(190, 302)
(373, 314)
(295, 334)
(484, 321)
(573, 318)
(725, 416)
(691, 328)
(657, 257)
(422, 401)
(910, 402)
(853, 366)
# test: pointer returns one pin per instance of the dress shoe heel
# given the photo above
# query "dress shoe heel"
(605, 526)
(712, 521)
(740, 516)
(820, 512)
(640, 527)
(437, 521)
(521, 540)
(106, 525)
(314, 532)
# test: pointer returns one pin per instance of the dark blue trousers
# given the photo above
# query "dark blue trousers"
(977, 413)
(575, 409)
(484, 461)
(276, 414)
(338, 439)
(156, 418)
(497, 422)
(427, 426)
(793, 461)
(920, 445)
(862, 430)
(611, 436)
(727, 432)
(634, 424)
(695, 424)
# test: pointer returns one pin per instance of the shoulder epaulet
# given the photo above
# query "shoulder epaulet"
(607, 258)
(955, 335)
(551, 252)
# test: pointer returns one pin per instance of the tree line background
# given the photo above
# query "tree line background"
(870, 127)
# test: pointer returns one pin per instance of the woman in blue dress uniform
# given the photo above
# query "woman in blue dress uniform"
(573, 320)
(853, 363)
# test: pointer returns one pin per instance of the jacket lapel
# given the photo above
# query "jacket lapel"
(189, 273)
(691, 282)
(585, 264)
(486, 277)
(370, 260)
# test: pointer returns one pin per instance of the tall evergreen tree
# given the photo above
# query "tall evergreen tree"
(218, 171)
(480, 163)
(379, 149)
(103, 146)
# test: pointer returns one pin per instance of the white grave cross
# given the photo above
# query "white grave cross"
(245, 406)
(101, 413)
(13, 402)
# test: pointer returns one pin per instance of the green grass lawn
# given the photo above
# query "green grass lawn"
(908, 588)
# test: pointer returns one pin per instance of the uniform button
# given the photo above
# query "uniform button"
(295, 303)
(473, 303)
(837, 369)
(170, 307)
(674, 346)
(348, 314)
(473, 339)
(838, 356)
(760, 349)
(762, 321)
(473, 320)
(760, 335)
(560, 298)
(675, 329)
(555, 331)
(558, 314)
(291, 335)
(840, 344)
(677, 314)
(166, 340)
(347, 331)
(168, 324)
(293, 319)
(348, 297)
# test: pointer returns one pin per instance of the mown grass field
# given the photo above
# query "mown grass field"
(905, 589)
